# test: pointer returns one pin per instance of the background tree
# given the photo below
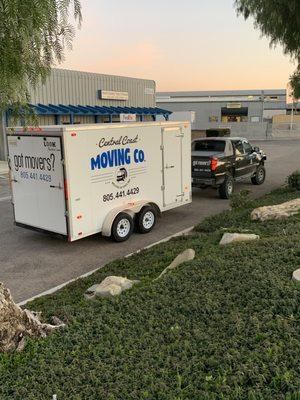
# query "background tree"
(33, 35)
(280, 21)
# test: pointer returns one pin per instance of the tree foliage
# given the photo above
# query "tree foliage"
(280, 21)
(33, 35)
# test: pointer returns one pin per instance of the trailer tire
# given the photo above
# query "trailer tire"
(226, 189)
(122, 227)
(146, 219)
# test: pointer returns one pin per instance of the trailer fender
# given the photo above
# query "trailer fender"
(131, 208)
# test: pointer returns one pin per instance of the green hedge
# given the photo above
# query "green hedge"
(224, 326)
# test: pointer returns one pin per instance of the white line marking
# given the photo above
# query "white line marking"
(56, 288)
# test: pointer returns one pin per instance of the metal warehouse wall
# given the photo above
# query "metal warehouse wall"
(75, 87)
(255, 130)
(206, 110)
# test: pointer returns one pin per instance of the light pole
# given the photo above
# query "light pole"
(263, 106)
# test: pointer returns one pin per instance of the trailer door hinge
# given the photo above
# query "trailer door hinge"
(163, 187)
(162, 147)
(66, 213)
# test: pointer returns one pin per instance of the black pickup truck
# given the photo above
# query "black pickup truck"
(219, 162)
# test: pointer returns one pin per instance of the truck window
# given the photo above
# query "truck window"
(217, 146)
(239, 148)
(247, 148)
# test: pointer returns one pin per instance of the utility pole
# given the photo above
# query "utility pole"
(292, 116)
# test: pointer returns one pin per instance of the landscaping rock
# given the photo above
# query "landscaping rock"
(283, 210)
(296, 275)
(17, 324)
(110, 286)
(237, 237)
(185, 256)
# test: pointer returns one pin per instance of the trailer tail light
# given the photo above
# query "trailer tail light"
(213, 164)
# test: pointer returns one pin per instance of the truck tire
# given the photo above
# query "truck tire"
(226, 189)
(146, 219)
(260, 175)
(122, 227)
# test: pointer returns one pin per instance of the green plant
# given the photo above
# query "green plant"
(293, 180)
(279, 21)
(33, 37)
(241, 199)
(224, 326)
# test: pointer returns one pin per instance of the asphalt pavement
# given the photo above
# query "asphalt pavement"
(32, 262)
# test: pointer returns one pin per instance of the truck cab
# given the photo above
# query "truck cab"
(220, 162)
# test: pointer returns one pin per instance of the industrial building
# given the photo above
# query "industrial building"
(244, 112)
(73, 97)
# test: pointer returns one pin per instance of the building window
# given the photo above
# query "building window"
(213, 118)
(239, 114)
(255, 119)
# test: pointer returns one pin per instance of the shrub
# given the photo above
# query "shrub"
(241, 199)
(293, 180)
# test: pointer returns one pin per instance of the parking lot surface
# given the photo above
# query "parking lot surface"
(32, 262)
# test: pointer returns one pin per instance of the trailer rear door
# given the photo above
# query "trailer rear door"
(38, 182)
(172, 160)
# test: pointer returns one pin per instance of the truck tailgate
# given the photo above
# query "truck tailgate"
(201, 167)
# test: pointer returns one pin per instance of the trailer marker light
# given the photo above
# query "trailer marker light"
(79, 216)
(66, 189)
(79, 233)
(73, 134)
(213, 164)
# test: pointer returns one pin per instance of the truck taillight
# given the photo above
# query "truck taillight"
(213, 164)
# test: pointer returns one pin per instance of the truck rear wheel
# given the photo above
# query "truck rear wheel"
(146, 219)
(122, 227)
(226, 189)
(260, 176)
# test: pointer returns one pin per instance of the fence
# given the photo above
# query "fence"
(285, 130)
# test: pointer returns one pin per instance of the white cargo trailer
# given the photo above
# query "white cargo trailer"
(79, 180)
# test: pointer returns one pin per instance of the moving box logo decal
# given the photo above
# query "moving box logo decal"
(120, 164)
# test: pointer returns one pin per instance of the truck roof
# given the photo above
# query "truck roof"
(222, 138)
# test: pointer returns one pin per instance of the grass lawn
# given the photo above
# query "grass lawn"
(224, 326)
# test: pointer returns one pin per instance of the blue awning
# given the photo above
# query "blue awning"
(62, 109)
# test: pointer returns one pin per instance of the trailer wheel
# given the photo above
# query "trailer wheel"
(146, 219)
(122, 227)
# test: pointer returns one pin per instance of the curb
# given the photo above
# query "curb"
(56, 288)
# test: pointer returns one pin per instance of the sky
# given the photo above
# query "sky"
(181, 44)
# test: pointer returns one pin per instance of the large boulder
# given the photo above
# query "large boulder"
(237, 237)
(278, 211)
(185, 256)
(17, 324)
(296, 275)
(109, 287)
